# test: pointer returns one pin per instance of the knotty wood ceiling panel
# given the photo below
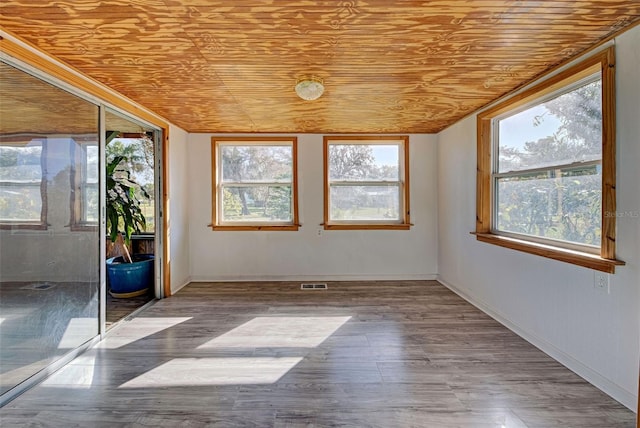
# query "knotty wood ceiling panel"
(229, 66)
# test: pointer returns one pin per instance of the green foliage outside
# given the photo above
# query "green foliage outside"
(262, 176)
(124, 214)
(562, 205)
(138, 161)
(232, 204)
(355, 163)
(278, 203)
(261, 203)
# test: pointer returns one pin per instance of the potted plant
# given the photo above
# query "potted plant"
(128, 276)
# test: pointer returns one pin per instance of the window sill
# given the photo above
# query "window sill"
(587, 260)
(23, 226)
(292, 227)
(399, 226)
(83, 227)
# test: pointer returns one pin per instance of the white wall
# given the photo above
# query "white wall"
(336, 254)
(552, 304)
(178, 233)
(58, 253)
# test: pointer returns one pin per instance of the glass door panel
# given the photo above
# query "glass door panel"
(49, 233)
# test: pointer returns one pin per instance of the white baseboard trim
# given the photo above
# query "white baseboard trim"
(627, 398)
(316, 278)
(180, 287)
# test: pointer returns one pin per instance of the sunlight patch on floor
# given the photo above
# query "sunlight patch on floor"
(214, 371)
(279, 332)
(79, 374)
(78, 331)
(136, 329)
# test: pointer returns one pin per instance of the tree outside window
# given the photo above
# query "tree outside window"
(546, 173)
(366, 182)
(138, 151)
(549, 175)
(255, 183)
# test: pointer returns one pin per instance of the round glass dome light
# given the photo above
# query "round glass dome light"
(309, 88)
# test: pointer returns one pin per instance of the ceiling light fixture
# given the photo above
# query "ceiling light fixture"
(309, 88)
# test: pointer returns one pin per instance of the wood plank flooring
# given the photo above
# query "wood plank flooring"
(42, 321)
(360, 354)
(117, 308)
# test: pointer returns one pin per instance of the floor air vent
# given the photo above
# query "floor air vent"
(317, 286)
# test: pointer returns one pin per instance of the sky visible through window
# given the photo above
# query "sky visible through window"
(385, 155)
(516, 130)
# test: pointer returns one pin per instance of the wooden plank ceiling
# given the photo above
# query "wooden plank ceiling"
(388, 66)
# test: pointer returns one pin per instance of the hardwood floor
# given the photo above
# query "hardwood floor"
(120, 308)
(360, 354)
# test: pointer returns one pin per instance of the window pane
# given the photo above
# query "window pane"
(256, 163)
(20, 177)
(21, 164)
(91, 170)
(90, 205)
(364, 162)
(257, 204)
(20, 203)
(560, 131)
(365, 203)
(558, 204)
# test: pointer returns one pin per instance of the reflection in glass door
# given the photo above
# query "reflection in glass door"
(49, 231)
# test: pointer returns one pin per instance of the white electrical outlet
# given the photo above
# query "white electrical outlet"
(601, 281)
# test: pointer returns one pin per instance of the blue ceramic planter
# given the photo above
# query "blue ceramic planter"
(130, 279)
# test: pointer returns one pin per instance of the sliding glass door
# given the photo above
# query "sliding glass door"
(49, 224)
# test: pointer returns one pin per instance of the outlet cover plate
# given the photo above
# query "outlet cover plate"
(601, 282)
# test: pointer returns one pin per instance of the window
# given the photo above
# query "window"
(366, 182)
(255, 183)
(84, 186)
(546, 168)
(23, 203)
